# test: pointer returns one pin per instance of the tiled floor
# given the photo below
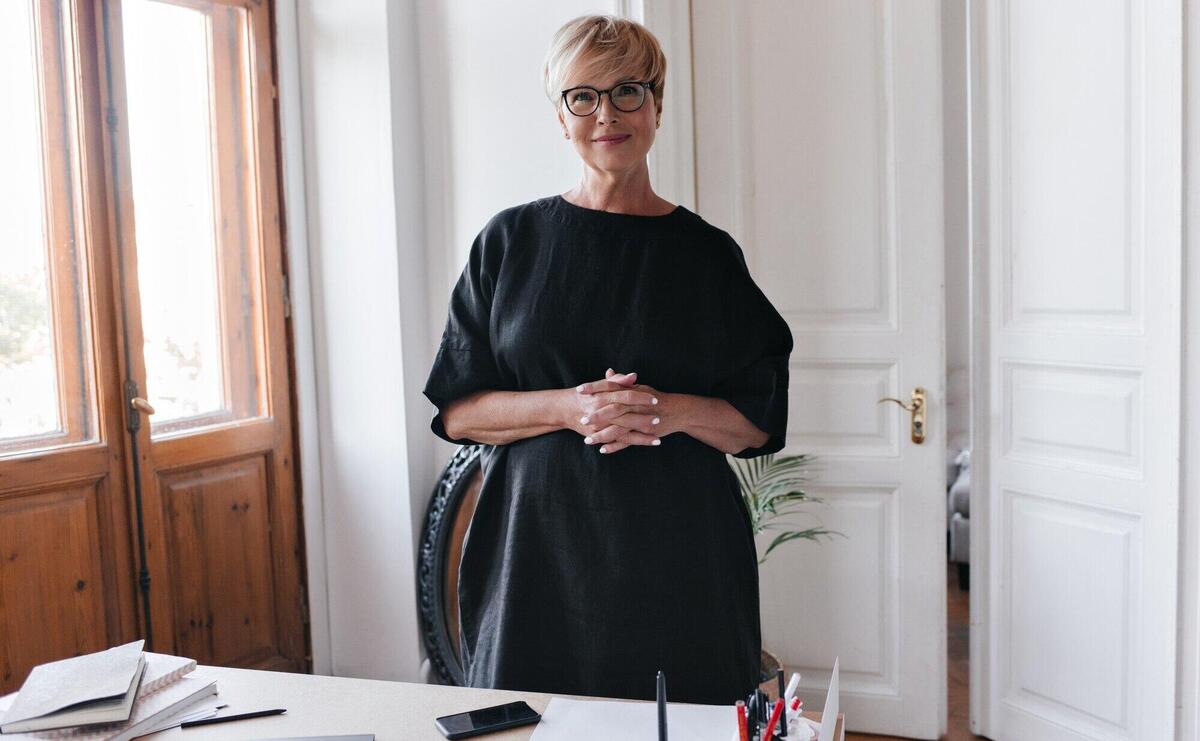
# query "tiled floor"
(959, 694)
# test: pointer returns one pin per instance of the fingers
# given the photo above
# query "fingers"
(613, 382)
(595, 387)
(647, 423)
(614, 435)
(612, 447)
(625, 379)
(630, 438)
(612, 405)
(629, 397)
(623, 415)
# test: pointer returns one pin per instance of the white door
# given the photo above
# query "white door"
(1076, 224)
(819, 147)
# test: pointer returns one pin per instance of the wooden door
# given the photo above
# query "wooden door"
(820, 149)
(191, 156)
(66, 538)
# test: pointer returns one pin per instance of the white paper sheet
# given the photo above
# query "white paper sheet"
(602, 720)
(204, 708)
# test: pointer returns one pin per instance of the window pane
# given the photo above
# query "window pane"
(29, 398)
(198, 289)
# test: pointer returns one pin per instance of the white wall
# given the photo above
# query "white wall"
(492, 139)
(348, 92)
(406, 125)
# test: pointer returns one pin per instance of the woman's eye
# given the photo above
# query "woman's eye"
(583, 96)
(627, 90)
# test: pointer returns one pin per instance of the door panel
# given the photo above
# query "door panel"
(218, 517)
(1078, 219)
(52, 548)
(820, 150)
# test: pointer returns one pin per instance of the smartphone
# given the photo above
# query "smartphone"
(486, 720)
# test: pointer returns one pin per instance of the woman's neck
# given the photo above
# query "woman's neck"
(633, 195)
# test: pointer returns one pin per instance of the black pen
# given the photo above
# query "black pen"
(782, 692)
(240, 716)
(662, 707)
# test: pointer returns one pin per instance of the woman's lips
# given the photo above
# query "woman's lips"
(613, 141)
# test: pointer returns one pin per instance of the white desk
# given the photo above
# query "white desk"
(339, 705)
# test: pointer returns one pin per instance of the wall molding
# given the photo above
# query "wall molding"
(307, 412)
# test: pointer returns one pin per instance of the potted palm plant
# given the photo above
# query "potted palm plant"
(772, 489)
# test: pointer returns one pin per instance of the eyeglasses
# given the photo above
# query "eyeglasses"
(625, 96)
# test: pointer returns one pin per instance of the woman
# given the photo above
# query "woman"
(610, 539)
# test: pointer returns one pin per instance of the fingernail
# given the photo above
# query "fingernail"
(653, 399)
(583, 420)
(610, 370)
(588, 439)
(603, 449)
(656, 442)
(655, 421)
(579, 387)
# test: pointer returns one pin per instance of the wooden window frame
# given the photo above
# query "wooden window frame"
(66, 246)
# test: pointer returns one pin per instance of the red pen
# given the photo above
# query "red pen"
(743, 732)
(774, 718)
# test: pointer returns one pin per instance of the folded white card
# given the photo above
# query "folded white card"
(832, 702)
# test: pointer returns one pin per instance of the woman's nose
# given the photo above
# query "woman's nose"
(607, 111)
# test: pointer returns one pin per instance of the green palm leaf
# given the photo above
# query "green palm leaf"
(772, 490)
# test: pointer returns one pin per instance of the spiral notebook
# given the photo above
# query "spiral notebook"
(165, 690)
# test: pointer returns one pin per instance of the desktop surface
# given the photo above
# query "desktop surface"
(320, 705)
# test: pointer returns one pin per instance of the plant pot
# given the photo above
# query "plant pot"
(769, 665)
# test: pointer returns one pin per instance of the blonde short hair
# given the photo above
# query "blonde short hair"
(612, 45)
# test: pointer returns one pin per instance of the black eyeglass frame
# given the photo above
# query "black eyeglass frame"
(647, 84)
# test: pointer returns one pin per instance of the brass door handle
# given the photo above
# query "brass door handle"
(141, 405)
(917, 408)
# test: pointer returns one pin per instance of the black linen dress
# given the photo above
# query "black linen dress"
(582, 572)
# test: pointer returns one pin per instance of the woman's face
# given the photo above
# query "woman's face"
(610, 139)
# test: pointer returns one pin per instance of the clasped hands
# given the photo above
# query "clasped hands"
(617, 412)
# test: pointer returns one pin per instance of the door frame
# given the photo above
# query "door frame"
(306, 417)
(1187, 721)
(979, 638)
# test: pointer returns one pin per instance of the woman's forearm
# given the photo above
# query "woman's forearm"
(502, 417)
(715, 422)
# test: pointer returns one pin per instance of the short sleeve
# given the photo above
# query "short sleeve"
(465, 362)
(753, 358)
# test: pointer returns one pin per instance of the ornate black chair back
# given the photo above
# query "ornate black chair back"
(446, 521)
